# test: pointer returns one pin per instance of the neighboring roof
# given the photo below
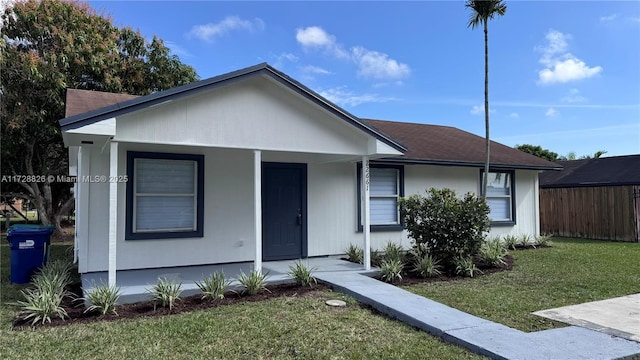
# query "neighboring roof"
(445, 145)
(81, 101)
(143, 102)
(608, 171)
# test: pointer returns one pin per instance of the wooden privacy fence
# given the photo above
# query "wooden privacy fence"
(601, 212)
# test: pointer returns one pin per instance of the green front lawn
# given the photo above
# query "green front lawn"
(570, 272)
(300, 327)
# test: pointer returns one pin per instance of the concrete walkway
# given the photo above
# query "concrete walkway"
(476, 334)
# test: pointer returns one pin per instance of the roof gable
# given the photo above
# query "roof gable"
(608, 171)
(445, 145)
(264, 69)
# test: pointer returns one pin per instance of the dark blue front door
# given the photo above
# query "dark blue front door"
(284, 190)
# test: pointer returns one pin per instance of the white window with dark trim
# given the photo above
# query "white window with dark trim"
(500, 197)
(386, 186)
(164, 195)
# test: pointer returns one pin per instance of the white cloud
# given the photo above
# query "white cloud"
(376, 65)
(342, 97)
(608, 17)
(371, 64)
(310, 69)
(289, 56)
(573, 97)
(314, 37)
(567, 70)
(560, 65)
(177, 49)
(557, 43)
(551, 112)
(514, 115)
(209, 31)
(479, 109)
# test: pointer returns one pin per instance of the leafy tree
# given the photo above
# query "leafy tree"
(46, 47)
(573, 156)
(481, 12)
(538, 151)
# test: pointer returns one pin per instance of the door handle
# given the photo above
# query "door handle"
(299, 217)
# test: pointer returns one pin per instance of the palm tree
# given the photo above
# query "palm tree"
(482, 12)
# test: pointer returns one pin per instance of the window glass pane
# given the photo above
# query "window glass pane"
(384, 181)
(160, 176)
(498, 184)
(165, 213)
(500, 209)
(384, 211)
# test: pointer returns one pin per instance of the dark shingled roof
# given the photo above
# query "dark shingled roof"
(445, 145)
(425, 144)
(82, 101)
(608, 171)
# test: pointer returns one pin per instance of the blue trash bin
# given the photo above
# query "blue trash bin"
(29, 250)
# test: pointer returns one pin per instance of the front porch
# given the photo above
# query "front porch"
(134, 284)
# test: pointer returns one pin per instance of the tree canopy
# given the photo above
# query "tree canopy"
(538, 151)
(47, 47)
(552, 156)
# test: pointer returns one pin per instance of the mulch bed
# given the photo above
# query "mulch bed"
(76, 313)
(412, 279)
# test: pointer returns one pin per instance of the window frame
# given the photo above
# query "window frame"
(382, 227)
(130, 233)
(512, 197)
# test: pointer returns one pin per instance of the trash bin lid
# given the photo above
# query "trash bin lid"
(29, 228)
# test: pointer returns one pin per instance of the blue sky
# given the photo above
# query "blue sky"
(563, 74)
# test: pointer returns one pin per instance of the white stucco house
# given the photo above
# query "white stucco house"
(253, 166)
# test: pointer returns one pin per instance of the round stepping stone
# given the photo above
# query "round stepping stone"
(336, 303)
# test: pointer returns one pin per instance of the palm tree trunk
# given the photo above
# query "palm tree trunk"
(486, 108)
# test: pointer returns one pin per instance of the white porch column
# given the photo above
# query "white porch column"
(536, 202)
(257, 192)
(113, 211)
(366, 212)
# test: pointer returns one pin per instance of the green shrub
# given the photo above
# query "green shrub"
(492, 252)
(426, 266)
(465, 266)
(542, 240)
(213, 286)
(103, 299)
(253, 283)
(44, 300)
(391, 270)
(526, 240)
(61, 268)
(449, 226)
(418, 251)
(165, 293)
(376, 258)
(393, 251)
(55, 276)
(355, 254)
(303, 275)
(510, 242)
(42, 304)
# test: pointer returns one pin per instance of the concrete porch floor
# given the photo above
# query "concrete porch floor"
(134, 284)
